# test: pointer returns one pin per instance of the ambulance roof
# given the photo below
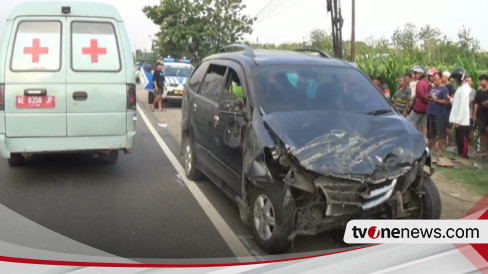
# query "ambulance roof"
(80, 9)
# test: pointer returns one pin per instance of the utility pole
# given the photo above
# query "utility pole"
(353, 32)
(334, 7)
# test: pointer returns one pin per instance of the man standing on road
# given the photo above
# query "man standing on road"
(480, 115)
(158, 79)
(418, 116)
(438, 98)
(460, 111)
(445, 80)
(472, 95)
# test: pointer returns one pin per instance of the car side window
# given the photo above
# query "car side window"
(214, 82)
(197, 77)
(233, 87)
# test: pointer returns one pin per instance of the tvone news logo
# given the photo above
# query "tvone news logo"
(374, 233)
(416, 231)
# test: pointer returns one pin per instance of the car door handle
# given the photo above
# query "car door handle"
(216, 120)
(195, 107)
(80, 95)
(35, 92)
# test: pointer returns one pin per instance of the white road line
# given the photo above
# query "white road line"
(237, 247)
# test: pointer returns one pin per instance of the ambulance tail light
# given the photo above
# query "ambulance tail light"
(2, 97)
(131, 97)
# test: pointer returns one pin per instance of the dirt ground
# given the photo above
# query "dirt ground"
(456, 198)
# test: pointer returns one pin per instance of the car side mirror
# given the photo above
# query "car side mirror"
(232, 107)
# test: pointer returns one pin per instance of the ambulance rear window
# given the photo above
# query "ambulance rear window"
(94, 47)
(37, 47)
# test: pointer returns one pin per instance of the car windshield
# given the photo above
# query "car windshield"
(302, 88)
(169, 70)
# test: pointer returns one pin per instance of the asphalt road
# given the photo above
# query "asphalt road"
(139, 207)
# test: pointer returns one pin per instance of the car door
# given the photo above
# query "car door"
(231, 126)
(96, 79)
(204, 112)
(35, 78)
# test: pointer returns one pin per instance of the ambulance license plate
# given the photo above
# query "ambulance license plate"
(35, 101)
(178, 92)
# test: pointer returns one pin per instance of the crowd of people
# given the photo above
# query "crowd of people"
(428, 99)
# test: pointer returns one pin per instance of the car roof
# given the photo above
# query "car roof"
(280, 57)
(79, 9)
(177, 64)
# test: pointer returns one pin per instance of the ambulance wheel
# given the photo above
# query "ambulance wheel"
(109, 157)
(16, 160)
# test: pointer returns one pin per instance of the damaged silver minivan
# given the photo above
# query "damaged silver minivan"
(303, 144)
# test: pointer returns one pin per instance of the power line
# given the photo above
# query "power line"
(264, 9)
(284, 7)
(272, 9)
(278, 9)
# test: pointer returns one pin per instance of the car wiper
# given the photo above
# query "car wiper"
(379, 111)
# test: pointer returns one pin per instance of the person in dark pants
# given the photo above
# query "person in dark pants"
(158, 79)
(445, 80)
(436, 131)
(460, 114)
(480, 115)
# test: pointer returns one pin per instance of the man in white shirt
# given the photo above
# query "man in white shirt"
(472, 94)
(460, 114)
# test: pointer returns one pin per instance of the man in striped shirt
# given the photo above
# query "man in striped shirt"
(402, 97)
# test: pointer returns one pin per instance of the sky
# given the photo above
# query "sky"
(293, 20)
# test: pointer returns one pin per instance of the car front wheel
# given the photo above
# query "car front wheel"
(271, 220)
(427, 200)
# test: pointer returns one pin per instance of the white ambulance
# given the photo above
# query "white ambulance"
(67, 81)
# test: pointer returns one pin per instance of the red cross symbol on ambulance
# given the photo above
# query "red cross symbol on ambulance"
(36, 50)
(94, 50)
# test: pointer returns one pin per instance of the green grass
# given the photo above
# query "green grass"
(474, 178)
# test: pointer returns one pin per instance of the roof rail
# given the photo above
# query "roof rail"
(248, 51)
(322, 54)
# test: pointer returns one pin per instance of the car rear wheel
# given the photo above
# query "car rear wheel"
(271, 220)
(16, 160)
(191, 171)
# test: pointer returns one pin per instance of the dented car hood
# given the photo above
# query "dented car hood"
(348, 145)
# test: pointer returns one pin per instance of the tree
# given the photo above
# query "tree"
(405, 39)
(321, 39)
(466, 42)
(429, 37)
(197, 28)
(138, 54)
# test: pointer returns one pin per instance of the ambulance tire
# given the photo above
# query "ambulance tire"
(16, 160)
(109, 157)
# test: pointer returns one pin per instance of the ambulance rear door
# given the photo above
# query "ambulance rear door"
(35, 78)
(96, 78)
